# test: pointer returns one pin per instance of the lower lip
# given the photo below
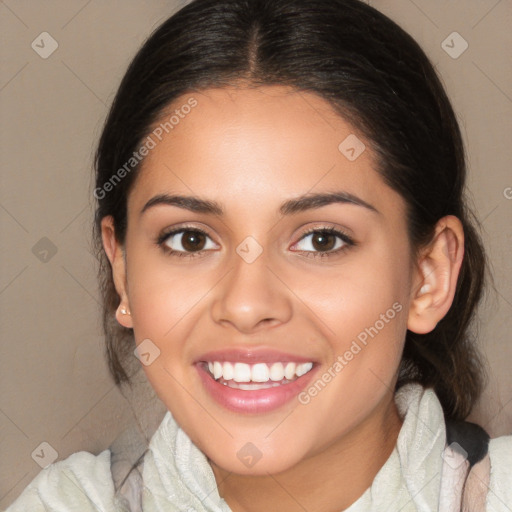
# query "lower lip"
(257, 401)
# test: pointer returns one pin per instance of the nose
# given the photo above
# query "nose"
(251, 297)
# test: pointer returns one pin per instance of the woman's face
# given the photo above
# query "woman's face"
(303, 331)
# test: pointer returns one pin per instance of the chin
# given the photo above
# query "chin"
(262, 463)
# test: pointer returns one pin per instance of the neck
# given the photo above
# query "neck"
(330, 480)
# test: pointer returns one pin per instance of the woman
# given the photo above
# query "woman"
(297, 268)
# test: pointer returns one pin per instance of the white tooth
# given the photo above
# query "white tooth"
(277, 372)
(303, 368)
(210, 366)
(289, 371)
(241, 372)
(307, 367)
(217, 370)
(252, 386)
(259, 372)
(227, 371)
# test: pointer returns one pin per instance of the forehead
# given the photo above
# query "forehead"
(259, 146)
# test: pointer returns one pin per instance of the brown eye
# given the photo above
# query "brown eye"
(322, 241)
(186, 241)
(193, 240)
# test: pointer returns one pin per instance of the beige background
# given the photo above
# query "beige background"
(54, 383)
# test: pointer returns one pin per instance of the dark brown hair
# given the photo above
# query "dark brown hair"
(375, 76)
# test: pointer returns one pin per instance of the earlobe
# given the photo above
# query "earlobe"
(115, 254)
(123, 316)
(436, 278)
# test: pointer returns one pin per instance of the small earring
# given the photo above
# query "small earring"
(124, 311)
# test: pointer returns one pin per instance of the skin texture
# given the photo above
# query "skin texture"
(250, 150)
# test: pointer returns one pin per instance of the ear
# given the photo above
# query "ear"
(435, 278)
(115, 254)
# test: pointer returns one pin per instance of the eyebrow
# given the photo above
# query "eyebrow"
(290, 207)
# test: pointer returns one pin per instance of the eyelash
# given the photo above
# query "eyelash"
(348, 242)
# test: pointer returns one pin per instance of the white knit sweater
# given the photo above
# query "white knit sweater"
(177, 476)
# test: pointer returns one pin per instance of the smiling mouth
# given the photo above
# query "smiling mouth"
(252, 377)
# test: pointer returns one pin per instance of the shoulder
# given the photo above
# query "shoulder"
(82, 482)
(500, 485)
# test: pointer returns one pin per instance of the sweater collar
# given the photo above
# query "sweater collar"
(177, 474)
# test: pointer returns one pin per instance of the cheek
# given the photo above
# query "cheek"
(164, 308)
(365, 310)
(164, 305)
(358, 294)
(162, 296)
(363, 305)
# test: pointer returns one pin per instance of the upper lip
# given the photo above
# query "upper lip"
(252, 356)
